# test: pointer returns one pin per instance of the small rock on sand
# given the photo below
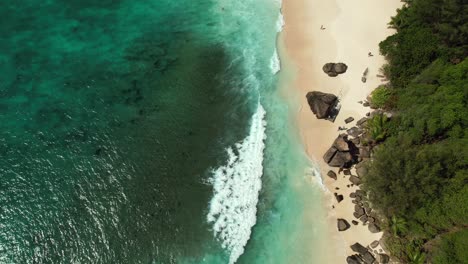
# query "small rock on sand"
(342, 224)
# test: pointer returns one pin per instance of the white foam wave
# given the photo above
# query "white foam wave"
(280, 22)
(275, 64)
(236, 185)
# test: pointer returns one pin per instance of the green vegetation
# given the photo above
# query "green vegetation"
(418, 178)
(377, 127)
(453, 249)
(382, 97)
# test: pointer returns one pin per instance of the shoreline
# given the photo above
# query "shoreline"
(351, 30)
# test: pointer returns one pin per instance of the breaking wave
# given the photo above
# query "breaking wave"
(236, 187)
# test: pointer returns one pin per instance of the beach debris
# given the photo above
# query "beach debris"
(354, 222)
(342, 224)
(323, 105)
(332, 174)
(349, 120)
(333, 69)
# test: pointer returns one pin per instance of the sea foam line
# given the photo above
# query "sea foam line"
(236, 185)
(275, 64)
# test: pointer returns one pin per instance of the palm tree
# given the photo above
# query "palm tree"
(398, 225)
(416, 257)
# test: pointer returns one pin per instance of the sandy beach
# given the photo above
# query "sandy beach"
(317, 32)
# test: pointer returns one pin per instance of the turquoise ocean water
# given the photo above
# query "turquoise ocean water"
(149, 131)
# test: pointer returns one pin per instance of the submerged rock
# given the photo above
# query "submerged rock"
(321, 104)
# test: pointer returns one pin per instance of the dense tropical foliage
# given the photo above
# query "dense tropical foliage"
(418, 177)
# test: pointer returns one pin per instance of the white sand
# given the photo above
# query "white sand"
(352, 29)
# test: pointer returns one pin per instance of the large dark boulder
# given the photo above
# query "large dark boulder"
(341, 159)
(329, 154)
(321, 104)
(333, 69)
(342, 224)
(341, 143)
(356, 247)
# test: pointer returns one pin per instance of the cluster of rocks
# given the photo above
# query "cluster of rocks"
(333, 69)
(323, 105)
(350, 148)
(364, 255)
(342, 154)
(363, 212)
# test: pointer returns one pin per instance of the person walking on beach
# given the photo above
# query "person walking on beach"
(321, 27)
